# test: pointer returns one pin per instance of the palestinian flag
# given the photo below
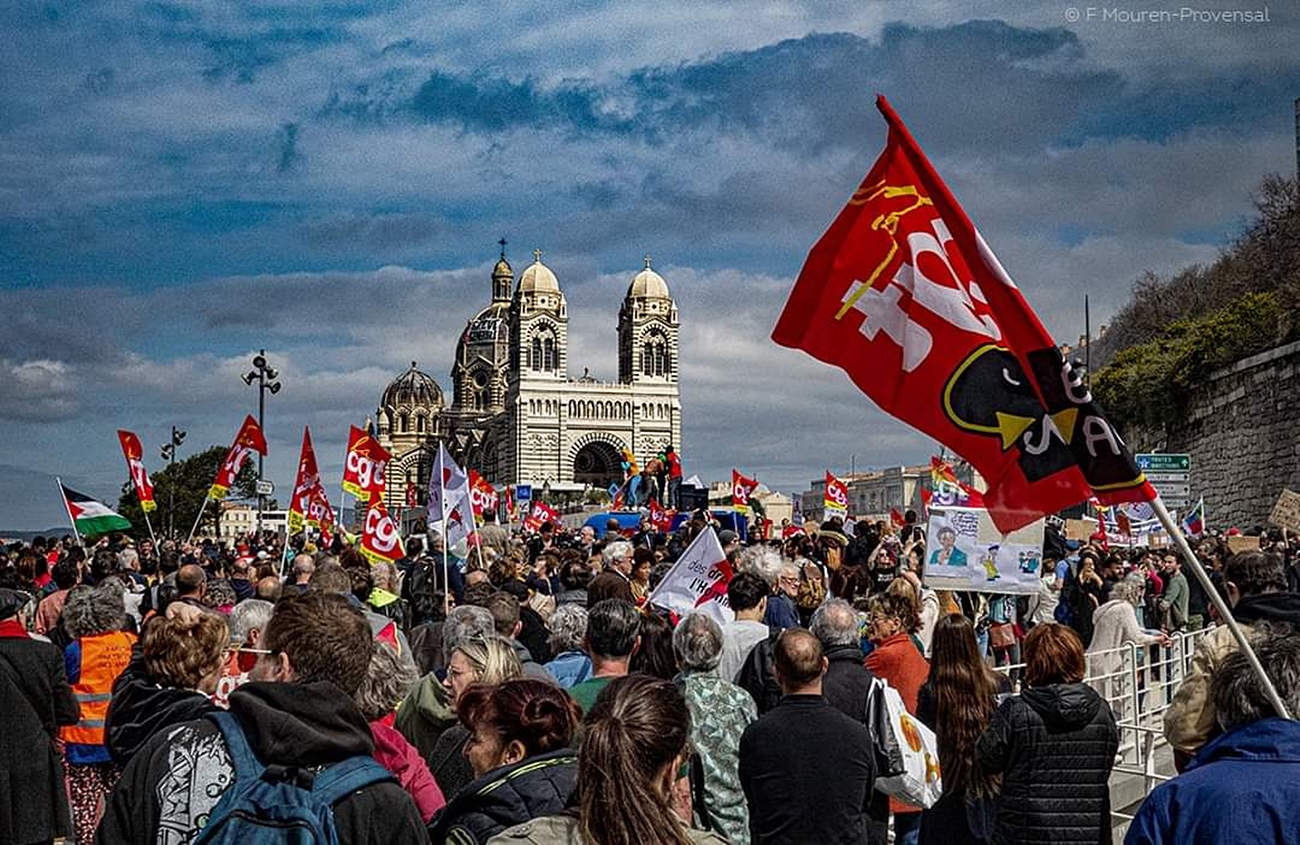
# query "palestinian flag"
(91, 517)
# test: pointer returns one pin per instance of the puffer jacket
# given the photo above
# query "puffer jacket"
(563, 830)
(1054, 747)
(538, 786)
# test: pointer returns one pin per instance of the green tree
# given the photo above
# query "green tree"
(187, 481)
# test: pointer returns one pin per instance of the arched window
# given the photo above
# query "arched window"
(654, 354)
(536, 360)
(404, 423)
(419, 423)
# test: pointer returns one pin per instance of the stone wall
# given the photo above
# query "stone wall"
(1242, 430)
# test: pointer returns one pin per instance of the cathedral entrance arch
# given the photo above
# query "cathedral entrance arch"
(598, 463)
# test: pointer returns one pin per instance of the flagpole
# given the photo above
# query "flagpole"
(446, 572)
(64, 496)
(195, 527)
(148, 524)
(1225, 614)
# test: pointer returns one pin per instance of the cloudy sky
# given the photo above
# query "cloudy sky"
(183, 183)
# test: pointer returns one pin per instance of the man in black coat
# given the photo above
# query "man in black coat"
(297, 716)
(785, 757)
(847, 681)
(35, 699)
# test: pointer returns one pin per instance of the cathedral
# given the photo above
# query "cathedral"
(516, 416)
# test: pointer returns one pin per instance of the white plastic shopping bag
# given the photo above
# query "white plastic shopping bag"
(920, 783)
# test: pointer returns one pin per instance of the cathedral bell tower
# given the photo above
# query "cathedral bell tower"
(648, 331)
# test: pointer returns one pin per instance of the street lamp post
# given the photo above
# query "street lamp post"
(169, 455)
(265, 376)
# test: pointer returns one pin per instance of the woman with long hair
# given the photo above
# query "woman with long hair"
(633, 741)
(957, 701)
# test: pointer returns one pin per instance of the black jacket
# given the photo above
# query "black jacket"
(504, 797)
(808, 775)
(846, 681)
(1269, 607)
(757, 675)
(844, 687)
(35, 700)
(1054, 747)
(179, 775)
(140, 709)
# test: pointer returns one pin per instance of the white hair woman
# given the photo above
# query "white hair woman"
(1115, 625)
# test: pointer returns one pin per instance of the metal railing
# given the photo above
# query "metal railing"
(1139, 683)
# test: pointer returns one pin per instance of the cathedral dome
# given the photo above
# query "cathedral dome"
(414, 389)
(538, 278)
(647, 284)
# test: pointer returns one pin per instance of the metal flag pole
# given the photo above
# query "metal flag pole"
(195, 527)
(64, 497)
(1176, 534)
(446, 574)
(148, 524)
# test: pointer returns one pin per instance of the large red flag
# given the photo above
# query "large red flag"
(304, 485)
(364, 466)
(134, 454)
(247, 441)
(904, 295)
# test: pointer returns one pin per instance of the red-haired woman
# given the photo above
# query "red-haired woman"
(1054, 745)
(957, 702)
(520, 733)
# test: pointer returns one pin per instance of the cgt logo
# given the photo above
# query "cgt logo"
(364, 471)
(381, 531)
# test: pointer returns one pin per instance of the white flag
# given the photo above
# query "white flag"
(698, 580)
(449, 499)
(447, 484)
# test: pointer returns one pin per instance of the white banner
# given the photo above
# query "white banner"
(965, 551)
(698, 580)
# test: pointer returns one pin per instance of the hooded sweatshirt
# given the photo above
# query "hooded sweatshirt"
(142, 708)
(1054, 746)
(298, 725)
(424, 714)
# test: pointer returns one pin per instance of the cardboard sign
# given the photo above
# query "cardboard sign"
(1239, 543)
(1080, 529)
(1286, 513)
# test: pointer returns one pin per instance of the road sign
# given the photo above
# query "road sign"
(1174, 491)
(264, 488)
(523, 492)
(1158, 477)
(1162, 462)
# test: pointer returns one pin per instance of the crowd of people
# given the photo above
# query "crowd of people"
(532, 693)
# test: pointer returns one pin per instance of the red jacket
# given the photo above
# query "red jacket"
(394, 753)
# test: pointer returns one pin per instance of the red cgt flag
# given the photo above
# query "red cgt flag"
(364, 465)
(741, 489)
(304, 485)
(134, 454)
(835, 501)
(247, 441)
(905, 296)
(380, 540)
